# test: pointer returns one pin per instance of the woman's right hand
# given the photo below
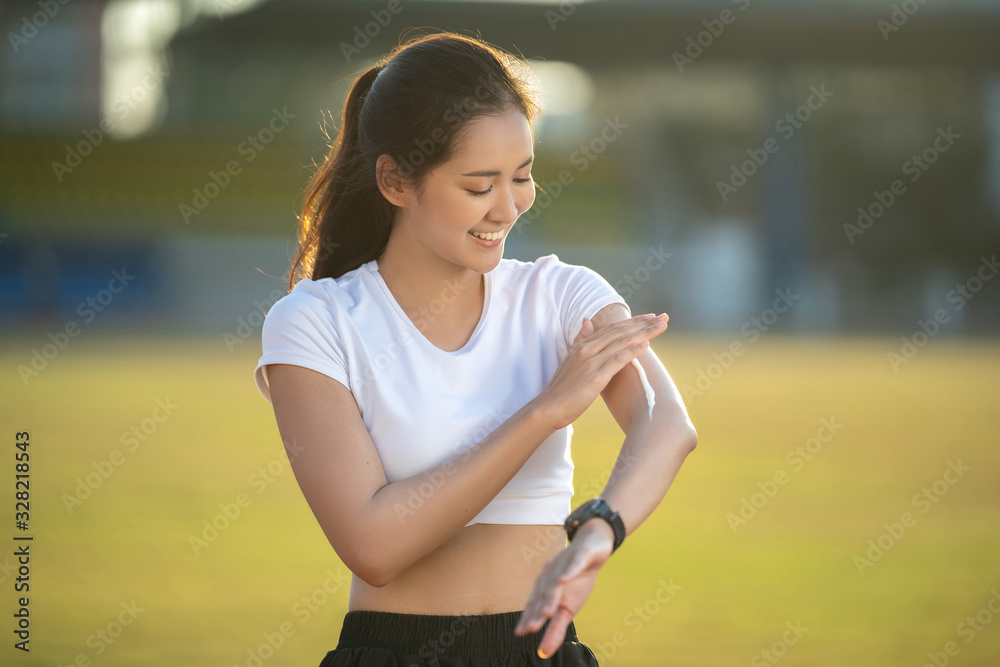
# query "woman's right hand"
(591, 362)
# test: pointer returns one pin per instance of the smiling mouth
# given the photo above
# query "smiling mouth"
(487, 236)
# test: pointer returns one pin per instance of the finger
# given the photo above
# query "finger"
(616, 340)
(542, 593)
(632, 324)
(555, 634)
(529, 617)
(616, 332)
(528, 614)
(521, 622)
(542, 610)
(612, 362)
(635, 319)
(539, 613)
(586, 330)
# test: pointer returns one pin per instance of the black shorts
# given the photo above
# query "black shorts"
(389, 639)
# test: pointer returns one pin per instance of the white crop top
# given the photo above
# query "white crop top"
(422, 405)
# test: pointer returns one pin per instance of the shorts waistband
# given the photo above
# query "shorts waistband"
(423, 634)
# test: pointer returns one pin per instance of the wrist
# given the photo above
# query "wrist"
(542, 414)
(597, 534)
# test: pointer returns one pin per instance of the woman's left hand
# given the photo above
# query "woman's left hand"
(565, 584)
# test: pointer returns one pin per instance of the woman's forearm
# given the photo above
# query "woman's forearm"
(411, 517)
(650, 459)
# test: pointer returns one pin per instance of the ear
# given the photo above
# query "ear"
(391, 182)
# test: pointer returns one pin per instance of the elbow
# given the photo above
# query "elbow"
(369, 570)
(376, 562)
(366, 560)
(375, 579)
(692, 440)
(687, 439)
(376, 556)
(679, 434)
(370, 573)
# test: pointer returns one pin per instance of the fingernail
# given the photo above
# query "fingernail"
(542, 655)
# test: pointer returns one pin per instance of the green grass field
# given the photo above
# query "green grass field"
(741, 585)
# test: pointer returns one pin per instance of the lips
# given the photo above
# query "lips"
(487, 236)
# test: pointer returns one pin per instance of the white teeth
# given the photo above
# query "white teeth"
(487, 236)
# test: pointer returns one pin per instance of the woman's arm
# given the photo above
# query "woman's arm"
(371, 523)
(654, 449)
(650, 458)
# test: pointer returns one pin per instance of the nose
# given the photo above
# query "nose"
(505, 208)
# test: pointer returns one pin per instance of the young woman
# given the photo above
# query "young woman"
(427, 386)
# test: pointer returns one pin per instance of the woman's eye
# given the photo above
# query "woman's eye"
(490, 189)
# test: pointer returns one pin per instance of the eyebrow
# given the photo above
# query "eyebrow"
(494, 172)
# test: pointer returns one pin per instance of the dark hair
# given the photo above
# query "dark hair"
(414, 105)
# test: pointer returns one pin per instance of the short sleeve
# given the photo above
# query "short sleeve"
(297, 331)
(578, 292)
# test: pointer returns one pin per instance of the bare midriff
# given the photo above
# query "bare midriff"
(483, 569)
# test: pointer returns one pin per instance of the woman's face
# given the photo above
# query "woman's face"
(483, 188)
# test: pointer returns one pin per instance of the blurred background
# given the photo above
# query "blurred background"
(811, 190)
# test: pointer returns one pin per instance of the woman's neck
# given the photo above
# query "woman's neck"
(422, 282)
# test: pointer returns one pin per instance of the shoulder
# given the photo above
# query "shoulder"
(526, 277)
(545, 265)
(322, 300)
(552, 271)
(307, 298)
(550, 274)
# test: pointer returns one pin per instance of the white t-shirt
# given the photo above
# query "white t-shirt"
(423, 405)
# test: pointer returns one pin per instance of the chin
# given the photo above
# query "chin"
(486, 264)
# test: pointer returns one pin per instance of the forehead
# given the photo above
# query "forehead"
(488, 142)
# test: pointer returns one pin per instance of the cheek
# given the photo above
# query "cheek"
(458, 211)
(525, 202)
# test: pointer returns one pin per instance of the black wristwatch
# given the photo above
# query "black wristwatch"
(590, 509)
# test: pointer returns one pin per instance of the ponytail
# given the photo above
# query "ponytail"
(345, 220)
(412, 105)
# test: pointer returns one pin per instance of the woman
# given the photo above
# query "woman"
(427, 385)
